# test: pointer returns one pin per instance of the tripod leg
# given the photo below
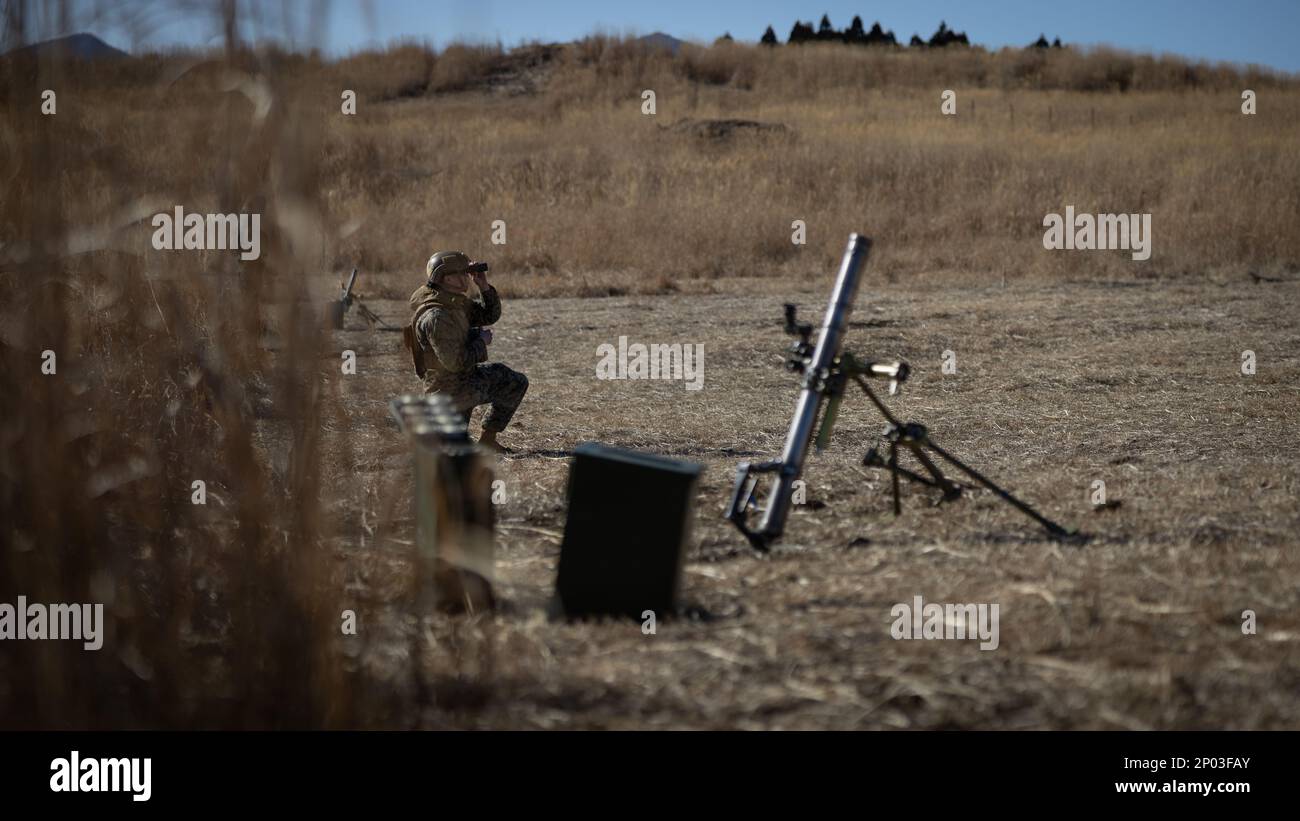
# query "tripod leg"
(1051, 527)
(371, 317)
(874, 460)
(893, 476)
(950, 490)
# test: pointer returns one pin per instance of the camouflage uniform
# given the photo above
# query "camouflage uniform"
(449, 355)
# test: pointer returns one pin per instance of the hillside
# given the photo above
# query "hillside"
(598, 196)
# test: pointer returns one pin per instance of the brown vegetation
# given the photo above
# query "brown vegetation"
(174, 367)
(552, 141)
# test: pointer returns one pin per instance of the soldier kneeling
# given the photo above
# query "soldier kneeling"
(448, 342)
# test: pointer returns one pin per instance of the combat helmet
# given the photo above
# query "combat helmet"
(451, 262)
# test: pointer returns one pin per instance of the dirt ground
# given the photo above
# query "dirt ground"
(1137, 384)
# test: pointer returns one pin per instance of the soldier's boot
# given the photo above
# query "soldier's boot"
(504, 389)
(488, 439)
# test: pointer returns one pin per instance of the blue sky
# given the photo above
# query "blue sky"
(1242, 31)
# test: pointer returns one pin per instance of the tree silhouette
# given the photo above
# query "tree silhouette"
(801, 33)
(827, 32)
(879, 37)
(947, 37)
(856, 34)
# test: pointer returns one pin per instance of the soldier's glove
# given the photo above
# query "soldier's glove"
(477, 345)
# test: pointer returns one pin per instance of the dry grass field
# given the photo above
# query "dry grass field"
(1058, 385)
(676, 227)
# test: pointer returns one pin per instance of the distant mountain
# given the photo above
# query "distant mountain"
(660, 40)
(75, 46)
